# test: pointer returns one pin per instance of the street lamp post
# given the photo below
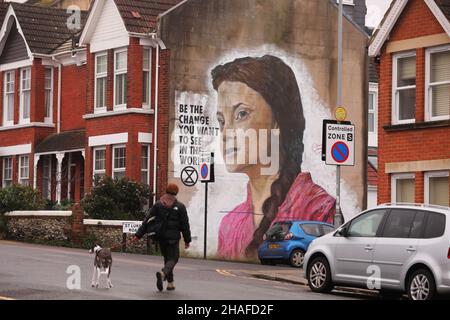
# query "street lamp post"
(338, 218)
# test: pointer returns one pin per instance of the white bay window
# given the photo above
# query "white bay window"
(48, 94)
(120, 79)
(404, 88)
(101, 67)
(146, 81)
(437, 84)
(119, 162)
(7, 172)
(8, 98)
(25, 94)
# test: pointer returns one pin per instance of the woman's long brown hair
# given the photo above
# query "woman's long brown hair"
(276, 83)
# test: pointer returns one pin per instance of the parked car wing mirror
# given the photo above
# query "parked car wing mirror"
(343, 232)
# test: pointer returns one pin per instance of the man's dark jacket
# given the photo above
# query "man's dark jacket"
(174, 213)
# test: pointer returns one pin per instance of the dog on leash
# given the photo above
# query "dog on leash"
(102, 261)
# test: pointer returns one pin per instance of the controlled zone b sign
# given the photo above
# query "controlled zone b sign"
(340, 144)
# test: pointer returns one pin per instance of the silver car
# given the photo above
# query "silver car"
(393, 248)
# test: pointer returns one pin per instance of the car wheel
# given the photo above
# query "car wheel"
(421, 285)
(319, 275)
(267, 262)
(296, 258)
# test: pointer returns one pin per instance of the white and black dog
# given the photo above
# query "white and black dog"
(102, 261)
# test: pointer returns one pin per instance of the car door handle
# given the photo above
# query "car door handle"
(411, 249)
(368, 248)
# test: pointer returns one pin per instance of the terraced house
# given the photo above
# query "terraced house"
(83, 94)
(412, 46)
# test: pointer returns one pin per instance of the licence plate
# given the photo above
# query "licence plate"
(274, 246)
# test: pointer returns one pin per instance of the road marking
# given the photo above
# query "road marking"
(225, 273)
(6, 298)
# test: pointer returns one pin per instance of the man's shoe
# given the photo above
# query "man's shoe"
(159, 280)
(170, 286)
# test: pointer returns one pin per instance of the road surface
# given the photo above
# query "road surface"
(29, 271)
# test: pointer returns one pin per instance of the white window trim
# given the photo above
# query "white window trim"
(394, 179)
(5, 107)
(3, 171)
(101, 75)
(114, 169)
(373, 136)
(144, 105)
(50, 118)
(428, 92)
(148, 162)
(23, 120)
(428, 175)
(94, 171)
(395, 106)
(21, 166)
(116, 73)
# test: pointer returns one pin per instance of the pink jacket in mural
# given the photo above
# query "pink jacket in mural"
(304, 201)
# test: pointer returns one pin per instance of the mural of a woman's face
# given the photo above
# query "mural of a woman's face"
(242, 108)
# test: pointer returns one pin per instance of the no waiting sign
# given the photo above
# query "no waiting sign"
(340, 144)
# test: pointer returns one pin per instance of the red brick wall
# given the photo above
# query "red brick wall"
(413, 144)
(135, 74)
(74, 83)
(90, 66)
(416, 20)
(37, 96)
(163, 122)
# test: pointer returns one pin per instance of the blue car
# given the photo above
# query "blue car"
(288, 241)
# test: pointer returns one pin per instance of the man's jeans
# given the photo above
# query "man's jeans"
(171, 251)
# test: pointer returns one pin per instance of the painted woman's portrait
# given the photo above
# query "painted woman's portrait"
(261, 93)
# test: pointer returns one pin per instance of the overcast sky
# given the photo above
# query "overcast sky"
(375, 11)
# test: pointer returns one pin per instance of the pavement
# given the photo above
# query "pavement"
(37, 272)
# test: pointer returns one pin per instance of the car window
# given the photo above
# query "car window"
(366, 225)
(327, 229)
(312, 229)
(399, 223)
(418, 225)
(435, 225)
(278, 231)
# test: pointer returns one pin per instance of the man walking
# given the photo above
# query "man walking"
(173, 218)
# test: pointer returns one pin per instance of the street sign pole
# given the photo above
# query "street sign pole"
(206, 221)
(338, 218)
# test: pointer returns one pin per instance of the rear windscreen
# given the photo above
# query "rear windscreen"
(278, 231)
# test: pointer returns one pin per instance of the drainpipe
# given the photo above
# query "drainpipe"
(58, 126)
(155, 130)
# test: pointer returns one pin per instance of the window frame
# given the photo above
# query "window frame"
(5, 94)
(395, 89)
(22, 92)
(49, 118)
(380, 226)
(97, 76)
(399, 176)
(427, 176)
(147, 105)
(148, 164)
(24, 165)
(95, 171)
(118, 72)
(429, 84)
(121, 169)
(4, 171)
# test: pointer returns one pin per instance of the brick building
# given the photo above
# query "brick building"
(412, 46)
(83, 96)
